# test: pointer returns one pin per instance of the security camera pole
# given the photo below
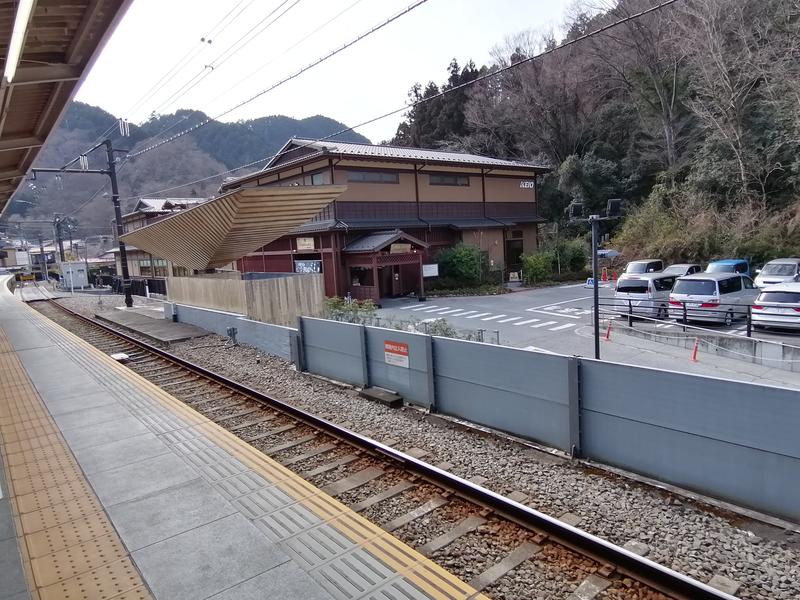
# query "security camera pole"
(111, 171)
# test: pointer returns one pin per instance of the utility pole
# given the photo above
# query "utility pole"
(42, 259)
(111, 171)
(58, 236)
(594, 221)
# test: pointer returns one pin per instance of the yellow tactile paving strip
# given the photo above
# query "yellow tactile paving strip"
(435, 581)
(69, 548)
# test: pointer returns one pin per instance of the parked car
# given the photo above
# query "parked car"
(647, 265)
(716, 297)
(681, 269)
(778, 306)
(780, 270)
(729, 265)
(645, 295)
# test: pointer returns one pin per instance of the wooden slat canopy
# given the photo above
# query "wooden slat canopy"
(225, 229)
(62, 41)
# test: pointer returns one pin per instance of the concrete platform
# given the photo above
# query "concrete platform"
(117, 490)
(149, 322)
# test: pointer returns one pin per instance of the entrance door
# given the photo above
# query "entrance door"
(514, 255)
(397, 283)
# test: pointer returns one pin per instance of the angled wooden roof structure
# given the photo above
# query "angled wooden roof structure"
(223, 230)
(61, 42)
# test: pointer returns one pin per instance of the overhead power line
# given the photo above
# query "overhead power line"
(205, 41)
(294, 75)
(412, 105)
(226, 55)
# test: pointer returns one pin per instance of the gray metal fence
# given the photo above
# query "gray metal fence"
(732, 440)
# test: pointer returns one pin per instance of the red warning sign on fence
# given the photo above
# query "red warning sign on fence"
(395, 353)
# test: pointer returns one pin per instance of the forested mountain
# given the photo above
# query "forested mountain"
(690, 113)
(211, 149)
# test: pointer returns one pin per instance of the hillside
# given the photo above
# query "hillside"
(211, 149)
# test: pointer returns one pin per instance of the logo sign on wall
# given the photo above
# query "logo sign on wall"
(395, 353)
(527, 184)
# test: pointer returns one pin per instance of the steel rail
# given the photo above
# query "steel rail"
(644, 570)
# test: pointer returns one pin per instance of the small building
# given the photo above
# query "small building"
(400, 208)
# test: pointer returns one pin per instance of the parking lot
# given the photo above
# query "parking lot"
(558, 319)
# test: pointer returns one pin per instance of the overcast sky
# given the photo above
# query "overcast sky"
(368, 79)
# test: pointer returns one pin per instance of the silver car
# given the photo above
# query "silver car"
(780, 270)
(714, 297)
(647, 265)
(681, 269)
(645, 295)
(778, 306)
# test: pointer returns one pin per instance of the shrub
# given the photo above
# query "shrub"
(465, 264)
(351, 311)
(537, 267)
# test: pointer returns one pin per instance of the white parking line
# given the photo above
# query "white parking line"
(493, 318)
(406, 307)
(528, 321)
(464, 313)
(451, 311)
(560, 327)
(478, 315)
(554, 314)
(423, 307)
(545, 324)
(509, 320)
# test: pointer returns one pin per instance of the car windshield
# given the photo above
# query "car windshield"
(695, 287)
(721, 268)
(676, 270)
(636, 268)
(632, 286)
(787, 269)
(782, 297)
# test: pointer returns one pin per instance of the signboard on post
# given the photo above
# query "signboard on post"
(431, 270)
(395, 353)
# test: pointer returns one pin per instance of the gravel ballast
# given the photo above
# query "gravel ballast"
(690, 537)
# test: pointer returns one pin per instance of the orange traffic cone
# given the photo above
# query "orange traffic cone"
(604, 278)
(694, 350)
(614, 276)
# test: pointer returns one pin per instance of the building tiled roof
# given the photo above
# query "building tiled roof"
(404, 153)
(379, 240)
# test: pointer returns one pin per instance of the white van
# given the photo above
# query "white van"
(780, 270)
(716, 297)
(644, 295)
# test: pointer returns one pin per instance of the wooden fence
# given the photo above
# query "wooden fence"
(279, 300)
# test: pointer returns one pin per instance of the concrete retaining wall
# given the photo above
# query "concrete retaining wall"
(273, 339)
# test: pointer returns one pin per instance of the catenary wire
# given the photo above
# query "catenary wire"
(226, 55)
(294, 75)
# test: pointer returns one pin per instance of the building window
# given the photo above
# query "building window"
(318, 178)
(373, 177)
(516, 234)
(145, 268)
(179, 271)
(445, 179)
(159, 267)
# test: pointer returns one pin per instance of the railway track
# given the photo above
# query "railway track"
(497, 544)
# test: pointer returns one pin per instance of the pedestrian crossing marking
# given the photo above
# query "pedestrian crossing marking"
(463, 313)
(509, 320)
(423, 307)
(478, 315)
(492, 318)
(436, 310)
(560, 327)
(528, 321)
(545, 324)
(451, 311)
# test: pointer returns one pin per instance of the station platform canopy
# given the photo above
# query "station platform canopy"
(46, 47)
(222, 230)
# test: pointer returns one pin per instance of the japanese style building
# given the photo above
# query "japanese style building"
(401, 206)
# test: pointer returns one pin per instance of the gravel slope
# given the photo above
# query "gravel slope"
(692, 538)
